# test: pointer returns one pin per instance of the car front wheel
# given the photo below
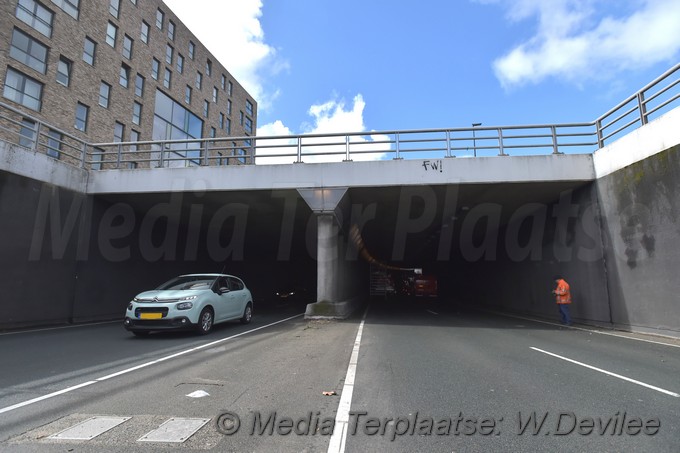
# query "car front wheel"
(205, 321)
(247, 314)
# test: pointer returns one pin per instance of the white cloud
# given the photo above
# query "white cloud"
(575, 42)
(233, 34)
(330, 117)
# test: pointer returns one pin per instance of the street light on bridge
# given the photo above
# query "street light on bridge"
(474, 139)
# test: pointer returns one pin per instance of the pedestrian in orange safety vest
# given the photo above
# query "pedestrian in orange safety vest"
(563, 299)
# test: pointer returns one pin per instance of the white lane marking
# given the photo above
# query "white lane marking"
(47, 329)
(609, 373)
(433, 312)
(339, 436)
(586, 330)
(44, 397)
(90, 428)
(134, 368)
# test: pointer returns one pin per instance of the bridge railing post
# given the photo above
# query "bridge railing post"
(501, 152)
(396, 146)
(553, 131)
(299, 150)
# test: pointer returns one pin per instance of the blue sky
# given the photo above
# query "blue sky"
(319, 66)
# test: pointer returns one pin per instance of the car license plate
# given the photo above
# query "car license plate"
(150, 315)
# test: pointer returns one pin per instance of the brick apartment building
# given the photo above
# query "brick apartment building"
(107, 71)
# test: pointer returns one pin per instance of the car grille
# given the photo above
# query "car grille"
(162, 310)
(156, 301)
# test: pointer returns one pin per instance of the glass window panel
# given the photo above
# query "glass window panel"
(70, 7)
(35, 15)
(54, 140)
(89, 49)
(163, 107)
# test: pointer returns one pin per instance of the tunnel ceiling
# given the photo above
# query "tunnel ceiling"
(383, 214)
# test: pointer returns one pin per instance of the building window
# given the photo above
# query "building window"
(192, 49)
(174, 122)
(104, 94)
(228, 126)
(208, 68)
(171, 30)
(249, 107)
(118, 132)
(199, 80)
(144, 35)
(167, 78)
(136, 113)
(213, 132)
(111, 32)
(132, 165)
(81, 117)
(114, 8)
(54, 141)
(28, 51)
(215, 94)
(221, 120)
(139, 85)
(187, 95)
(206, 108)
(168, 54)
(70, 7)
(180, 63)
(134, 2)
(240, 118)
(127, 47)
(23, 90)
(220, 159)
(134, 137)
(89, 49)
(155, 67)
(248, 126)
(64, 71)
(124, 79)
(224, 81)
(230, 88)
(27, 133)
(35, 15)
(228, 106)
(97, 157)
(160, 16)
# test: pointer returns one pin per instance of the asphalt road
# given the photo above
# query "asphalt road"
(420, 377)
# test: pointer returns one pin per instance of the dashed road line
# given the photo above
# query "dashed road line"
(609, 373)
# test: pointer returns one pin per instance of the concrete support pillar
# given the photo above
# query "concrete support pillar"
(327, 258)
(336, 295)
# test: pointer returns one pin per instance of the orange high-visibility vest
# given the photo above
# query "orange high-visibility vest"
(563, 295)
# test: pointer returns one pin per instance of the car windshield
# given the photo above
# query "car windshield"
(186, 282)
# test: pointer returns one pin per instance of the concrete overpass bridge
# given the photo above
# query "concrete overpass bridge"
(594, 201)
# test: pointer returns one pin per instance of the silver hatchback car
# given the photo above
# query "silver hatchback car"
(194, 301)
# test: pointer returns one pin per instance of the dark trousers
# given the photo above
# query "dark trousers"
(564, 313)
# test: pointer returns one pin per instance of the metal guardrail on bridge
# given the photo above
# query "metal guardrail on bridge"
(656, 98)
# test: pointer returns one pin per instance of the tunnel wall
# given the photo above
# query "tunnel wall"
(641, 209)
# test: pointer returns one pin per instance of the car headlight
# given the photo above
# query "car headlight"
(184, 305)
(184, 299)
(134, 299)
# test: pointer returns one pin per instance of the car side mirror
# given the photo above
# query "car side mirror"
(223, 290)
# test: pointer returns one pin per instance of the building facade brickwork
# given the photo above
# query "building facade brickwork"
(43, 49)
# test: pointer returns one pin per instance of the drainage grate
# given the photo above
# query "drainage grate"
(175, 430)
(90, 428)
